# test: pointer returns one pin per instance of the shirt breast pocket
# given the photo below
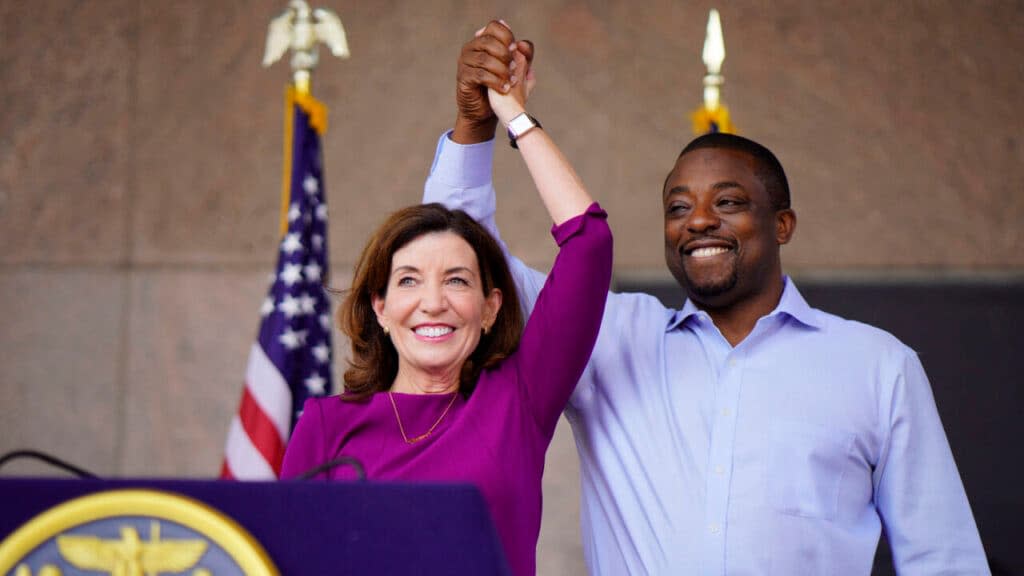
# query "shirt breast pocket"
(805, 468)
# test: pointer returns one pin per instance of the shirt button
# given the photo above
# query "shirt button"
(719, 470)
(725, 412)
(732, 362)
(714, 529)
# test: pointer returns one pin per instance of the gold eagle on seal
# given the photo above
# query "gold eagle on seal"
(130, 555)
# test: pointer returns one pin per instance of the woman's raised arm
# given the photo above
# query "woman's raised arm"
(559, 186)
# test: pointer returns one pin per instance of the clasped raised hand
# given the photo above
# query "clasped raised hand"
(488, 62)
(509, 104)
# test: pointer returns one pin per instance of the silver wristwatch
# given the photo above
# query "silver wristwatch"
(520, 125)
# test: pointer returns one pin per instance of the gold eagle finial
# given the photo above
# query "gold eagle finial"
(300, 28)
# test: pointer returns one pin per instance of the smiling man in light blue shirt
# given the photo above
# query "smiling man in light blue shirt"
(747, 433)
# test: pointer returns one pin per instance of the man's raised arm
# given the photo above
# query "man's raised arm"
(460, 176)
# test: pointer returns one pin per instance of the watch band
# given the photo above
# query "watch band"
(520, 125)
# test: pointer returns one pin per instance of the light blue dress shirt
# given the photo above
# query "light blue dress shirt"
(786, 454)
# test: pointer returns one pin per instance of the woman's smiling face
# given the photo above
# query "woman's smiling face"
(435, 307)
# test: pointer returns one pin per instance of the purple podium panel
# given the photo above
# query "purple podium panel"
(310, 527)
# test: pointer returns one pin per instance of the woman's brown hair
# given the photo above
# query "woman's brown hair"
(374, 362)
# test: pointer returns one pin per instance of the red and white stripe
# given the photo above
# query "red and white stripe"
(259, 433)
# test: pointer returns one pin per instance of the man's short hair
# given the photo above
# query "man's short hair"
(769, 169)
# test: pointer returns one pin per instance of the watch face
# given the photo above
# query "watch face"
(519, 125)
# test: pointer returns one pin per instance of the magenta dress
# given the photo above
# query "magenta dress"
(495, 439)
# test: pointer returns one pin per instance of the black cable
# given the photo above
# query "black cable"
(331, 464)
(51, 460)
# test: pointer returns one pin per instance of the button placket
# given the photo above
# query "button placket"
(720, 458)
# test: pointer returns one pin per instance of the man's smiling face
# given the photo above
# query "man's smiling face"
(722, 232)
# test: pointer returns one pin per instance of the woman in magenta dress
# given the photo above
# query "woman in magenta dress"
(445, 383)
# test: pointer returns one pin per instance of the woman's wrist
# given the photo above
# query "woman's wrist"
(512, 113)
(519, 126)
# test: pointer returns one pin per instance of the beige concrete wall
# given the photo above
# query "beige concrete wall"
(140, 160)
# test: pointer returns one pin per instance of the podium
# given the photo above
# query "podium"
(310, 527)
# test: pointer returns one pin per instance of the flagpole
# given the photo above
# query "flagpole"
(290, 361)
(300, 29)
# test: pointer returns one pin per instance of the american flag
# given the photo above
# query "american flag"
(291, 359)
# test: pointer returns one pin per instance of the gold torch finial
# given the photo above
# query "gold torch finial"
(713, 56)
(713, 116)
(300, 28)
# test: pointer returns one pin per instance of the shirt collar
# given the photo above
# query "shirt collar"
(680, 316)
(792, 304)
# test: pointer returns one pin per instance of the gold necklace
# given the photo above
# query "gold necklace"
(428, 432)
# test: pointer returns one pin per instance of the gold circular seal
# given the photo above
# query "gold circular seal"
(210, 531)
